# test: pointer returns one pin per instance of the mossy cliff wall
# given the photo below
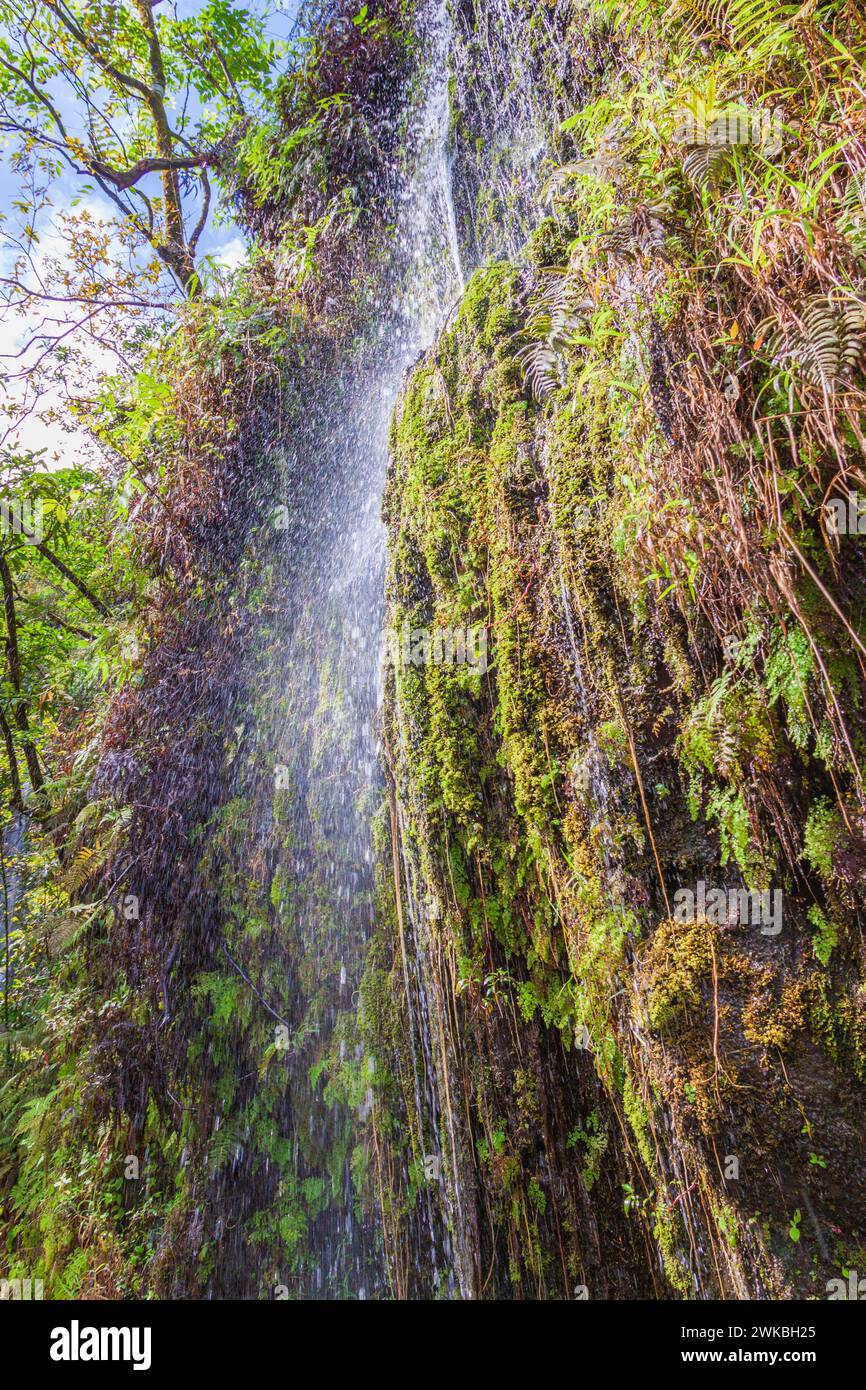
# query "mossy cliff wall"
(612, 467)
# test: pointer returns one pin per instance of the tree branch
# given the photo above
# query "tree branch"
(125, 178)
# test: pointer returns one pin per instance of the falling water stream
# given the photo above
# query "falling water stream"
(325, 732)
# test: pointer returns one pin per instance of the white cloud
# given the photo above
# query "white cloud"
(231, 255)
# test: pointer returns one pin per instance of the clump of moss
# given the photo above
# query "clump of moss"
(728, 1222)
(676, 962)
(774, 1022)
(826, 936)
(821, 835)
(839, 1025)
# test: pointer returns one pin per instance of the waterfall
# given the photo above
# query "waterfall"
(323, 731)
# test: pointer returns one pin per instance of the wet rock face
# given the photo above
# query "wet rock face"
(638, 1047)
(626, 847)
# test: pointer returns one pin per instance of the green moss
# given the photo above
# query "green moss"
(677, 961)
(821, 836)
(839, 1025)
(727, 1222)
(826, 936)
(774, 1022)
(488, 304)
(654, 700)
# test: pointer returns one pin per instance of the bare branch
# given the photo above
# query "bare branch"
(124, 178)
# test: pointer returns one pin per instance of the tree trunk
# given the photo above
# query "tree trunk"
(16, 800)
(176, 250)
(13, 659)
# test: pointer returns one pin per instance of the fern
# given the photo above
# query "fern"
(642, 232)
(85, 865)
(788, 668)
(227, 1143)
(553, 322)
(758, 25)
(826, 934)
(88, 861)
(826, 344)
(709, 738)
(729, 811)
(66, 931)
(852, 218)
(29, 1125)
(606, 163)
(703, 164)
(69, 1283)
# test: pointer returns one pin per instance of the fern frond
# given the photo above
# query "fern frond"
(605, 163)
(553, 322)
(642, 232)
(740, 24)
(227, 1144)
(540, 362)
(85, 865)
(827, 343)
(68, 928)
(108, 827)
(852, 218)
(90, 811)
(703, 164)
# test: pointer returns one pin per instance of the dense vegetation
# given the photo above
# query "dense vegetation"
(507, 1054)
